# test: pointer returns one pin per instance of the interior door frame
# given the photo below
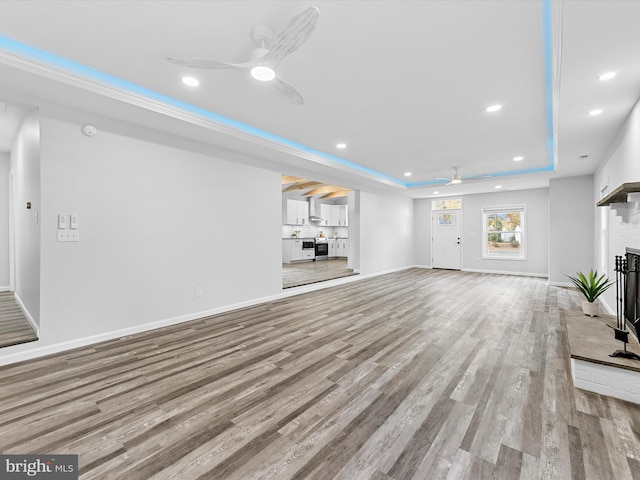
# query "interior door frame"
(432, 234)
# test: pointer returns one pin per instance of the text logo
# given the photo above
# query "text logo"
(50, 467)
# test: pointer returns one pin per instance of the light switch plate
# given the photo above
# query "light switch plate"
(68, 236)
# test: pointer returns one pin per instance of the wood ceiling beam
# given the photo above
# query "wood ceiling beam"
(291, 179)
(342, 193)
(325, 189)
(300, 186)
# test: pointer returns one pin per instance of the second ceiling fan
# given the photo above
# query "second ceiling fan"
(456, 179)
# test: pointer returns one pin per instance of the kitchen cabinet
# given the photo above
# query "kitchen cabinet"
(292, 250)
(332, 247)
(296, 250)
(325, 214)
(339, 216)
(297, 212)
(342, 247)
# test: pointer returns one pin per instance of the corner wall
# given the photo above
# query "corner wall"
(571, 203)
(5, 163)
(386, 232)
(614, 232)
(155, 222)
(25, 163)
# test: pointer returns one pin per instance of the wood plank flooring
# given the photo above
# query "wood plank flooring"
(418, 374)
(14, 326)
(304, 273)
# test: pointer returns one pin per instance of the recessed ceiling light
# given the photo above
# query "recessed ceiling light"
(595, 112)
(498, 186)
(262, 73)
(494, 108)
(192, 82)
(436, 193)
(407, 174)
(607, 76)
(341, 145)
(518, 159)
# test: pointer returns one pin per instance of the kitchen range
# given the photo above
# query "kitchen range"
(295, 249)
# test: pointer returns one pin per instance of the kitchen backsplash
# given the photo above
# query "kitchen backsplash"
(313, 231)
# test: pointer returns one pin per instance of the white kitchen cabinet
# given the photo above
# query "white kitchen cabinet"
(296, 250)
(335, 215)
(342, 247)
(332, 247)
(297, 212)
(344, 216)
(325, 214)
(339, 216)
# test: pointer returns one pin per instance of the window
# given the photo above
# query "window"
(454, 203)
(504, 232)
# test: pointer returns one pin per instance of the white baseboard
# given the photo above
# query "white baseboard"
(5, 289)
(499, 272)
(607, 308)
(27, 314)
(31, 352)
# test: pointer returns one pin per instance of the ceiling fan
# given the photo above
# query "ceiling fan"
(266, 58)
(455, 179)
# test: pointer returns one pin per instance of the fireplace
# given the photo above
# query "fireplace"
(631, 305)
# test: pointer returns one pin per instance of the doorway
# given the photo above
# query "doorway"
(445, 238)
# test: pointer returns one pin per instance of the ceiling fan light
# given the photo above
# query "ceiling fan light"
(262, 73)
(456, 181)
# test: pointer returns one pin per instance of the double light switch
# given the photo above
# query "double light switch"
(68, 228)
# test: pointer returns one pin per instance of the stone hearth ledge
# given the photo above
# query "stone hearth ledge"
(591, 341)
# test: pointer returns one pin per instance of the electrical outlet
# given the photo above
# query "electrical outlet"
(198, 291)
(68, 235)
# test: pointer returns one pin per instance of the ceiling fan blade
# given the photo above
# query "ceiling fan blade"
(293, 36)
(287, 92)
(210, 64)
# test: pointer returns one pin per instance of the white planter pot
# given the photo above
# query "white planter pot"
(590, 308)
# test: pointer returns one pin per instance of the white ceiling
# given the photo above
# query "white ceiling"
(404, 83)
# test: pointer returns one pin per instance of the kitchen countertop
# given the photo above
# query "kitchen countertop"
(313, 238)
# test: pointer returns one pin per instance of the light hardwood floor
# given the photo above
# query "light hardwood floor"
(418, 374)
(14, 326)
(304, 273)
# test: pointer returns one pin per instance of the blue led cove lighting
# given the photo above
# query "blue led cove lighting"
(17, 48)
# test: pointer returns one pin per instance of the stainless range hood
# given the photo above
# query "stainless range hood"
(314, 210)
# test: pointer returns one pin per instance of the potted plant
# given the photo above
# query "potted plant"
(591, 286)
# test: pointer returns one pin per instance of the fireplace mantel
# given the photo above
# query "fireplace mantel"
(620, 194)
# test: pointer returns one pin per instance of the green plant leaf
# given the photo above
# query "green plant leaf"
(591, 286)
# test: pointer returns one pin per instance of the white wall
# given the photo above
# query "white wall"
(25, 163)
(422, 227)
(571, 203)
(386, 232)
(5, 163)
(621, 165)
(155, 223)
(536, 224)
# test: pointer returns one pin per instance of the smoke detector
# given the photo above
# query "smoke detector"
(89, 130)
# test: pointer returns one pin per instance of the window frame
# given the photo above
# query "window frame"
(493, 209)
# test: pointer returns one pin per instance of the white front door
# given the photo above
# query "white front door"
(445, 239)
